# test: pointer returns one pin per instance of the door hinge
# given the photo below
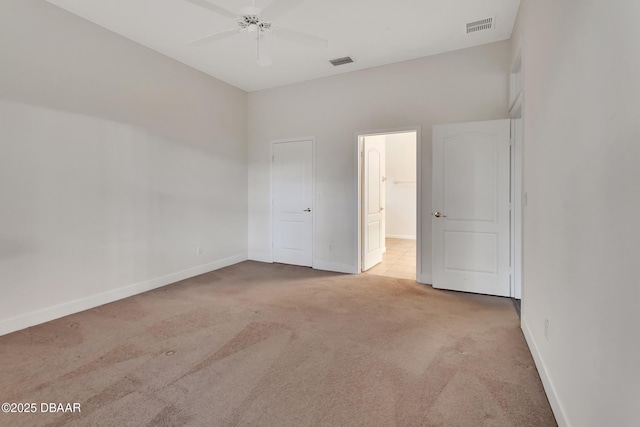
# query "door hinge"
(512, 142)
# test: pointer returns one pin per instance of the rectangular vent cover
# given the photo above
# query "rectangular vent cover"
(480, 25)
(341, 61)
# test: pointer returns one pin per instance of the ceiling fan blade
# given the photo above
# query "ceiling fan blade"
(279, 7)
(217, 9)
(301, 38)
(212, 38)
(250, 10)
(264, 54)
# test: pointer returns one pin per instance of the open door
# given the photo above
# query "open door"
(373, 192)
(470, 221)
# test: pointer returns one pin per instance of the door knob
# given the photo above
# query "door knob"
(438, 215)
(381, 209)
(307, 210)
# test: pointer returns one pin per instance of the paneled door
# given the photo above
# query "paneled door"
(470, 218)
(293, 202)
(373, 191)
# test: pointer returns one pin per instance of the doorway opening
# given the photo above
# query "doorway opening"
(388, 203)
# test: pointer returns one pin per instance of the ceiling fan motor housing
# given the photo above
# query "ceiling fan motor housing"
(248, 22)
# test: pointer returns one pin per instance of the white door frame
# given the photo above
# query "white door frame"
(518, 197)
(358, 192)
(272, 143)
(517, 205)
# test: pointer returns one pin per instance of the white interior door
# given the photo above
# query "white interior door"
(292, 203)
(470, 222)
(373, 201)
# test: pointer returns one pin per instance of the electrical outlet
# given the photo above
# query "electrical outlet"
(199, 250)
(546, 329)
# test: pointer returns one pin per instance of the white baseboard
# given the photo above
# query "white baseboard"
(549, 389)
(400, 236)
(336, 267)
(55, 312)
(254, 256)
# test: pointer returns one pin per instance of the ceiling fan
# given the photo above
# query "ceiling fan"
(256, 21)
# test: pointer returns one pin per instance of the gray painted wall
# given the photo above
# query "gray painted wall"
(461, 86)
(581, 231)
(116, 163)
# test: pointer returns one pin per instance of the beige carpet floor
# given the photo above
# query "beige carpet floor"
(272, 345)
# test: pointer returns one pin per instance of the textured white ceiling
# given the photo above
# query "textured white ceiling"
(372, 32)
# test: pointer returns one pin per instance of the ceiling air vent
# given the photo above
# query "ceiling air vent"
(341, 61)
(480, 25)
